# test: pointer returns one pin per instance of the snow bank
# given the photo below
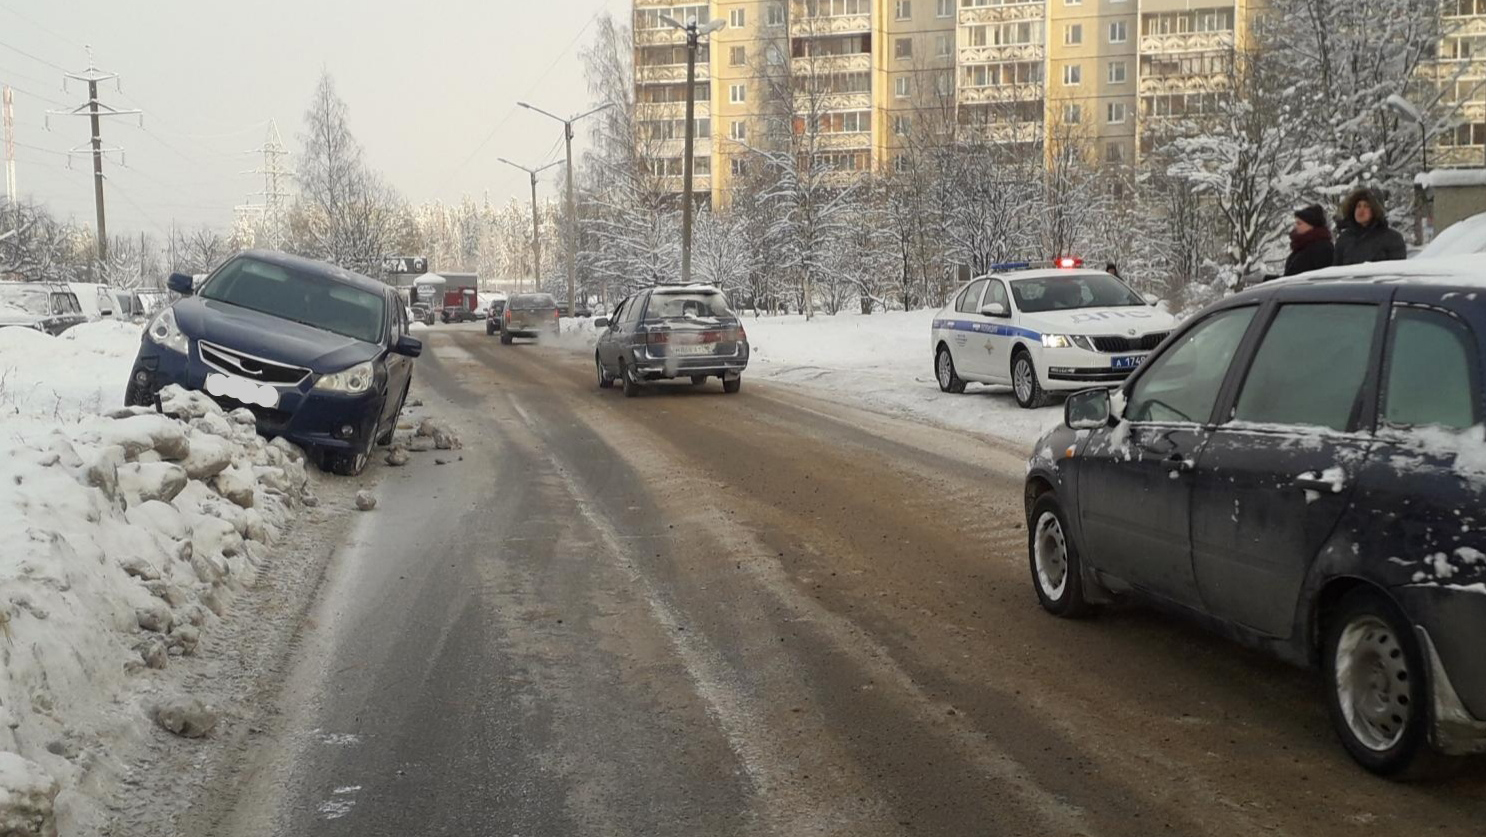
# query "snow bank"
(883, 361)
(1463, 238)
(127, 536)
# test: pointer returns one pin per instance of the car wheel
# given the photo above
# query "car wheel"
(631, 384)
(606, 381)
(1024, 382)
(1377, 694)
(944, 370)
(698, 380)
(1057, 570)
(386, 438)
(732, 385)
(489, 329)
(346, 463)
(137, 396)
(505, 338)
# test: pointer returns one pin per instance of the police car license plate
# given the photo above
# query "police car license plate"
(242, 389)
(691, 348)
(1130, 362)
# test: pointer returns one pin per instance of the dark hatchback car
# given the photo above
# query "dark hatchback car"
(457, 314)
(1301, 467)
(669, 332)
(42, 306)
(321, 356)
(529, 315)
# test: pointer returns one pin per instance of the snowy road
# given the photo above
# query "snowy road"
(698, 614)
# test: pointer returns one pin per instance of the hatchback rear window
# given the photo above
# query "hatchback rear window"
(532, 302)
(1429, 380)
(687, 305)
(1311, 367)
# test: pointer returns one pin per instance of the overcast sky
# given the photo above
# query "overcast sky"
(426, 81)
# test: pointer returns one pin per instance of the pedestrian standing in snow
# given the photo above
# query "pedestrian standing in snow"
(1310, 242)
(1363, 234)
(1113, 270)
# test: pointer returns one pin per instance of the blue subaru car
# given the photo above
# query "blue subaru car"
(321, 356)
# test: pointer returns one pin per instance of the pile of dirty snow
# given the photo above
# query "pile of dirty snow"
(128, 534)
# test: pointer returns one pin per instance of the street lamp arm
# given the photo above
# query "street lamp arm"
(604, 106)
(542, 112)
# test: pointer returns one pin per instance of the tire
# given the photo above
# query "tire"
(489, 329)
(1057, 568)
(698, 380)
(1377, 690)
(386, 438)
(505, 338)
(605, 380)
(1024, 383)
(944, 372)
(137, 396)
(732, 385)
(631, 385)
(346, 463)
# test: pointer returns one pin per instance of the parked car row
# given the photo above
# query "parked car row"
(1300, 467)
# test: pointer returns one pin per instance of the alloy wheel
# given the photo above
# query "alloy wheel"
(1022, 379)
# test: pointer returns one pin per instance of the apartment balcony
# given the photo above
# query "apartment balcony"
(1187, 42)
(699, 182)
(998, 94)
(1468, 26)
(645, 111)
(857, 141)
(811, 27)
(669, 73)
(1003, 14)
(1168, 85)
(806, 102)
(855, 62)
(701, 147)
(669, 36)
(1000, 54)
(1002, 132)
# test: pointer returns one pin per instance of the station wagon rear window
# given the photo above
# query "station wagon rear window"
(687, 305)
(299, 296)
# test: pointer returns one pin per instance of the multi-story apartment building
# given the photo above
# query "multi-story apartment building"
(1117, 73)
(1459, 69)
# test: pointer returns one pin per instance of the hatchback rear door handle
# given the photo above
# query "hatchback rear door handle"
(1311, 482)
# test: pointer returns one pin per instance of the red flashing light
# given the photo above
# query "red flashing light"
(1068, 262)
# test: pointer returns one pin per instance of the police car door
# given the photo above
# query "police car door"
(968, 341)
(996, 332)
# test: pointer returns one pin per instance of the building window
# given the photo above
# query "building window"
(774, 55)
(774, 14)
(944, 8)
(738, 165)
(900, 163)
(901, 126)
(737, 18)
(1114, 153)
(1073, 2)
(1116, 115)
(904, 9)
(901, 87)
(737, 94)
(1117, 72)
(903, 48)
(1073, 34)
(738, 131)
(1073, 75)
(737, 56)
(944, 84)
(1118, 32)
(942, 47)
(1072, 114)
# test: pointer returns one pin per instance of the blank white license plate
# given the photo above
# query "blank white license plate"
(691, 349)
(241, 389)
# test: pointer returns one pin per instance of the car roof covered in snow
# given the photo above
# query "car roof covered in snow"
(329, 271)
(693, 288)
(1459, 271)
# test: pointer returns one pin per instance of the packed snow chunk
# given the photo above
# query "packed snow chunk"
(186, 717)
(1469, 556)
(138, 434)
(158, 516)
(397, 457)
(365, 501)
(210, 455)
(236, 484)
(1441, 564)
(140, 482)
(27, 795)
(188, 403)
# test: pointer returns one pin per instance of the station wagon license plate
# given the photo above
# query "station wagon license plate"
(690, 349)
(242, 389)
(1130, 362)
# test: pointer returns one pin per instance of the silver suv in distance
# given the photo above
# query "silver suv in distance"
(669, 332)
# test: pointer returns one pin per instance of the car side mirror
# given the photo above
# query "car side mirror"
(1087, 410)
(181, 283)
(601, 322)
(410, 346)
(995, 309)
(1151, 299)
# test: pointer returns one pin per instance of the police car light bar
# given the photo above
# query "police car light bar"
(1010, 266)
(1069, 262)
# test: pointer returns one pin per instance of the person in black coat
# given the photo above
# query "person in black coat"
(1363, 234)
(1310, 242)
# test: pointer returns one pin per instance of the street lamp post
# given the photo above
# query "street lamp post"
(536, 233)
(1406, 111)
(567, 133)
(694, 35)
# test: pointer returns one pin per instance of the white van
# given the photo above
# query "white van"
(97, 301)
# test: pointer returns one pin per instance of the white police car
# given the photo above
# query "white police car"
(1036, 330)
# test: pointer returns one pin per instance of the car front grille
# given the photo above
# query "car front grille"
(1113, 344)
(247, 366)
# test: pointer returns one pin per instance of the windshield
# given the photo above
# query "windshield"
(688, 305)
(532, 302)
(27, 298)
(1065, 293)
(301, 297)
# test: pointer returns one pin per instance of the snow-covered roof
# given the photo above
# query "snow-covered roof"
(1459, 239)
(430, 279)
(1445, 270)
(694, 288)
(1451, 177)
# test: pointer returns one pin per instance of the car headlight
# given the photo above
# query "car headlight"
(1083, 342)
(353, 381)
(164, 332)
(1056, 341)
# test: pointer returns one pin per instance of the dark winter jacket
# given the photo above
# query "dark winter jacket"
(1377, 242)
(1311, 251)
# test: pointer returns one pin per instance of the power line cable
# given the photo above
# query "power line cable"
(69, 42)
(19, 51)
